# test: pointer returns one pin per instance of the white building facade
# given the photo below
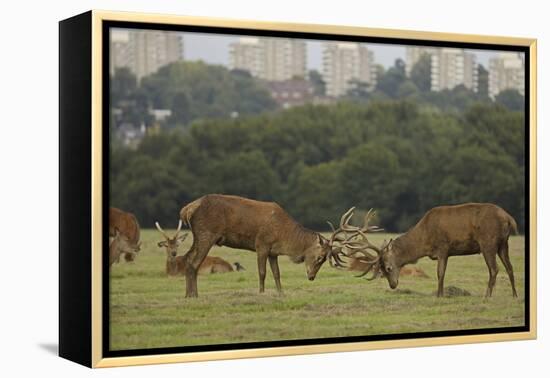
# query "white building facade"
(450, 67)
(506, 71)
(271, 59)
(144, 51)
(344, 63)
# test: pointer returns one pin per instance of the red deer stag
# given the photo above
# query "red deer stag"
(120, 245)
(261, 227)
(128, 226)
(176, 265)
(442, 232)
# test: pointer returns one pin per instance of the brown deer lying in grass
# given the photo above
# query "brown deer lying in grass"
(127, 225)
(360, 264)
(177, 265)
(120, 245)
(261, 227)
(444, 231)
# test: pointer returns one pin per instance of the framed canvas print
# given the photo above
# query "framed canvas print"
(235, 189)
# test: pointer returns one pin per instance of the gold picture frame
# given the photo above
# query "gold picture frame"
(92, 25)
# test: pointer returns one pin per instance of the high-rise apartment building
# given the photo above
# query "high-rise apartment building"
(144, 51)
(453, 67)
(344, 63)
(413, 55)
(506, 71)
(272, 59)
(450, 67)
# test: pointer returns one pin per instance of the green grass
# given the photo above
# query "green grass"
(149, 310)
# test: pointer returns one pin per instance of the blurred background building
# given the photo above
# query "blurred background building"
(345, 64)
(272, 59)
(506, 71)
(450, 67)
(144, 51)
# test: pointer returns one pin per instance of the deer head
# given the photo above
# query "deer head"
(171, 243)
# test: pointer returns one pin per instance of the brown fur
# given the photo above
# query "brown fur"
(128, 226)
(360, 265)
(119, 246)
(458, 230)
(262, 227)
(177, 266)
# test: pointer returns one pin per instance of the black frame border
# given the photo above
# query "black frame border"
(107, 25)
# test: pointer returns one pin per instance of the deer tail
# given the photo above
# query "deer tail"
(513, 225)
(188, 210)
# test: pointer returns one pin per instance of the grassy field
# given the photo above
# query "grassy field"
(149, 310)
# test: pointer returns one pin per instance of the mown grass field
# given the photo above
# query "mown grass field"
(149, 310)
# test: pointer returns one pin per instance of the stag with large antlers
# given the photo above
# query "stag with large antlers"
(261, 227)
(446, 231)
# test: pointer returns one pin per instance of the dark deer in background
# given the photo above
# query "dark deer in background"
(177, 265)
(446, 231)
(261, 227)
(126, 223)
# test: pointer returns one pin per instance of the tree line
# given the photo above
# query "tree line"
(400, 157)
(194, 91)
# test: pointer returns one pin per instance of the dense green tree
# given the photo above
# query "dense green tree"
(388, 82)
(195, 90)
(482, 81)
(511, 99)
(398, 157)
(319, 84)
(421, 73)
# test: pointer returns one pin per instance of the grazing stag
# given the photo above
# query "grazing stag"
(442, 232)
(127, 225)
(120, 245)
(176, 265)
(261, 227)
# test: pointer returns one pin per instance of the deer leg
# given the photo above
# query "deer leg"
(194, 258)
(274, 264)
(505, 258)
(491, 261)
(262, 260)
(441, 268)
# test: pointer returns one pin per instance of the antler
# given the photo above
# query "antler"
(355, 241)
(334, 256)
(178, 230)
(161, 230)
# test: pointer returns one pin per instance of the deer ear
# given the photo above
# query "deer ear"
(161, 244)
(322, 239)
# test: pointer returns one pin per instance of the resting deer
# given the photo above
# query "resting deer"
(120, 245)
(442, 232)
(261, 227)
(176, 265)
(360, 264)
(127, 225)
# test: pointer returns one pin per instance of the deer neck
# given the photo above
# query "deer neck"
(171, 264)
(408, 248)
(298, 241)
